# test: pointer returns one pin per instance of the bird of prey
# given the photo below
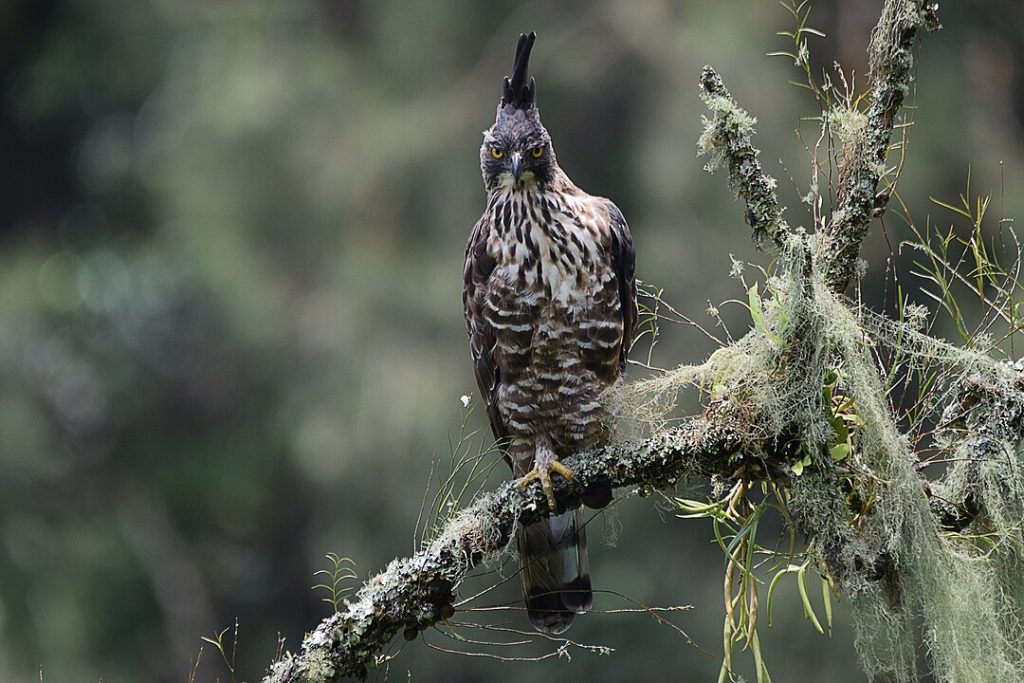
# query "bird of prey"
(550, 303)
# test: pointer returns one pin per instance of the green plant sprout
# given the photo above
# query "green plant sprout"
(229, 658)
(342, 569)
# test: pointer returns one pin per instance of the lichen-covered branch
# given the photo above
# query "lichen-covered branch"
(727, 141)
(414, 593)
(981, 428)
(892, 59)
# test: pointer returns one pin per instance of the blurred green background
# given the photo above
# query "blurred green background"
(231, 332)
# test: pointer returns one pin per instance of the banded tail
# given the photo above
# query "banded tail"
(556, 571)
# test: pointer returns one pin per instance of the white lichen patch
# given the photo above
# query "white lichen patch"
(727, 119)
(471, 528)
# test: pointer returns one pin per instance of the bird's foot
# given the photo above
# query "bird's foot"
(541, 472)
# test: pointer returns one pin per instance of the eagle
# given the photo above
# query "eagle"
(550, 303)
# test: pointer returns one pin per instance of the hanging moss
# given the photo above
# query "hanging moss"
(874, 526)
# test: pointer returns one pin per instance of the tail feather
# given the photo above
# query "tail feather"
(577, 591)
(556, 571)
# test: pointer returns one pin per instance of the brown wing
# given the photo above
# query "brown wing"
(478, 268)
(623, 255)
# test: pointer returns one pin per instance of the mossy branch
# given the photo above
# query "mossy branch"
(414, 593)
(891, 56)
(727, 141)
(977, 425)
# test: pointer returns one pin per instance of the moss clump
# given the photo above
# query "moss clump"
(870, 515)
(728, 123)
(851, 128)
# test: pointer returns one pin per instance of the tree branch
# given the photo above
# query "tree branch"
(414, 593)
(727, 140)
(892, 59)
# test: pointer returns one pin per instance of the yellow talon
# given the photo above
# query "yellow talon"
(563, 470)
(542, 473)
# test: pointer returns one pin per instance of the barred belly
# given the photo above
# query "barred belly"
(555, 359)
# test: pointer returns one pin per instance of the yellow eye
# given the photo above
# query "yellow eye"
(496, 153)
(536, 152)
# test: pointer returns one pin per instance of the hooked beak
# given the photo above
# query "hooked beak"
(517, 165)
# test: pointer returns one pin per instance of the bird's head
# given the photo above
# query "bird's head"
(516, 151)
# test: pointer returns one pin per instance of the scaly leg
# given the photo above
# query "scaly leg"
(544, 463)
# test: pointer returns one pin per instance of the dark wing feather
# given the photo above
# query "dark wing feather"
(624, 263)
(478, 267)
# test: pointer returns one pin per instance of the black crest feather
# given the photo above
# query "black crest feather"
(518, 91)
